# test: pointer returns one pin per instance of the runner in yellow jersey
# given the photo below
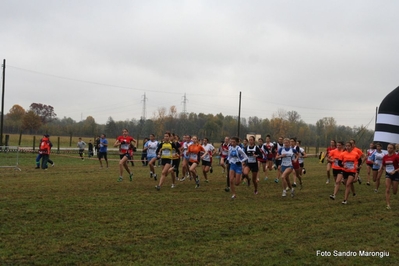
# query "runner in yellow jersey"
(165, 151)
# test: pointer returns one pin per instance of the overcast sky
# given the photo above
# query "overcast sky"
(97, 58)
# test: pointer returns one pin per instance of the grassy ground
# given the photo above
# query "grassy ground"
(76, 213)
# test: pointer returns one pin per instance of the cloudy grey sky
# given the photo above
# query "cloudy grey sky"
(98, 58)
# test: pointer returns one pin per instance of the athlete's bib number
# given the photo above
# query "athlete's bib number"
(336, 162)
(350, 165)
(390, 168)
(251, 159)
(166, 152)
(193, 157)
(124, 146)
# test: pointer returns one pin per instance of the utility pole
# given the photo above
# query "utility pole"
(239, 116)
(144, 114)
(2, 102)
(185, 100)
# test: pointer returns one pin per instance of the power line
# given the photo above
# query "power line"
(97, 83)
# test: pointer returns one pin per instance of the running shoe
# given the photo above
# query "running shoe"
(197, 183)
(375, 190)
(265, 178)
(211, 170)
(249, 182)
(344, 202)
(173, 186)
(287, 188)
(292, 193)
(388, 207)
(354, 194)
(328, 181)
(182, 179)
(276, 180)
(304, 171)
(368, 183)
(359, 180)
(131, 177)
(233, 197)
(155, 177)
(275, 167)
(294, 185)
(206, 181)
(120, 179)
(158, 188)
(227, 189)
(53, 165)
(151, 175)
(332, 196)
(284, 193)
(37, 167)
(256, 192)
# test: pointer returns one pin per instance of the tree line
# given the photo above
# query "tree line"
(41, 119)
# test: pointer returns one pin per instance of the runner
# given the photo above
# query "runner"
(207, 160)
(124, 142)
(333, 146)
(376, 159)
(143, 158)
(362, 159)
(333, 158)
(102, 150)
(194, 152)
(150, 147)
(223, 152)
(165, 151)
(262, 160)
(390, 163)
(236, 156)
(287, 155)
(369, 162)
(174, 170)
(279, 145)
(270, 155)
(302, 156)
(81, 145)
(252, 151)
(349, 161)
(185, 167)
(297, 167)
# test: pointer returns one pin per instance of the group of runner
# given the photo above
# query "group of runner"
(346, 160)
(237, 159)
(242, 160)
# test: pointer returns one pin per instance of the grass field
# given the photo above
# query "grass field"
(75, 213)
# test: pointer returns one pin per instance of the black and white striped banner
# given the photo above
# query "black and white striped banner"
(387, 126)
